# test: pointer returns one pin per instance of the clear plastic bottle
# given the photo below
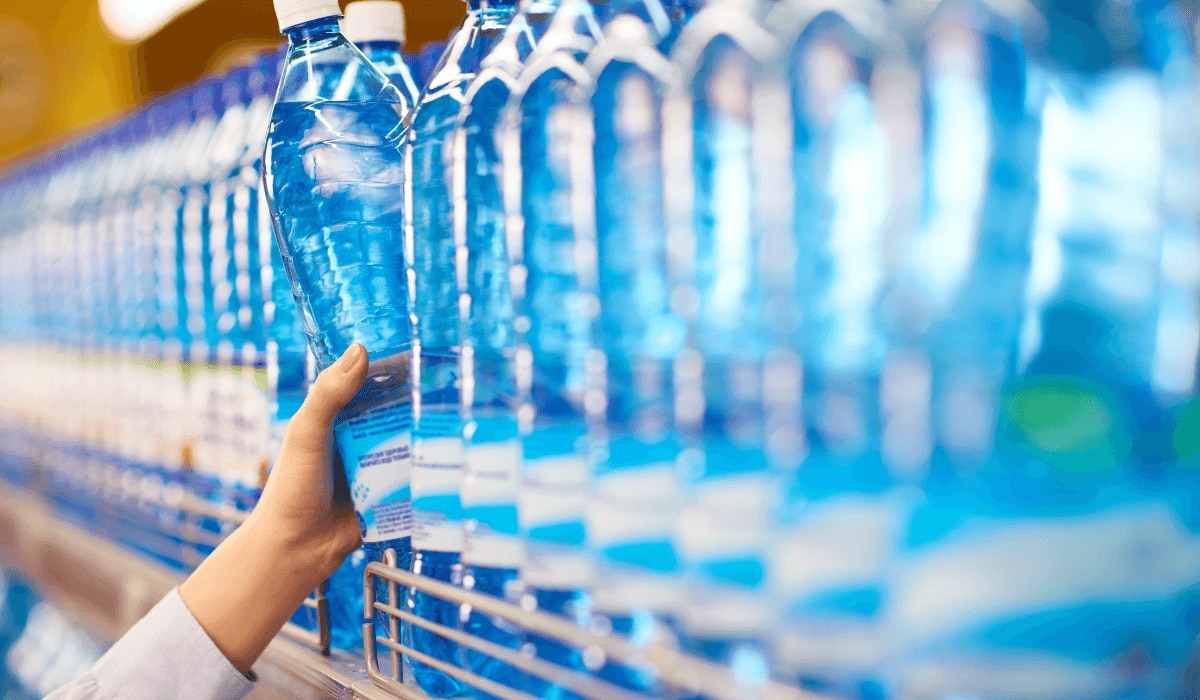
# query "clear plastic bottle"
(334, 178)
(637, 495)
(198, 324)
(492, 549)
(851, 94)
(437, 428)
(954, 309)
(1071, 514)
(719, 181)
(171, 400)
(552, 317)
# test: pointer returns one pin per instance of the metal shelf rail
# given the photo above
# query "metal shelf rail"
(682, 675)
(109, 588)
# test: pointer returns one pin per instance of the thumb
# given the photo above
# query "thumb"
(334, 388)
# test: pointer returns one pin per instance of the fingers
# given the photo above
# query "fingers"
(309, 428)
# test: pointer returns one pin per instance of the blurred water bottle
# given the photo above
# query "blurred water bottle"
(955, 307)
(206, 139)
(717, 132)
(1074, 566)
(554, 306)
(852, 99)
(637, 495)
(334, 180)
(492, 550)
(170, 390)
(437, 433)
(1109, 340)
(377, 28)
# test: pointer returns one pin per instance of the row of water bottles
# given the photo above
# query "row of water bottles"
(136, 279)
(150, 345)
(848, 343)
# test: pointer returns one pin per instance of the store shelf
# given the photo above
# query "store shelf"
(109, 588)
(678, 674)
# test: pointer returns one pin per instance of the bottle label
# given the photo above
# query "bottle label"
(727, 519)
(1138, 552)
(723, 534)
(634, 505)
(489, 498)
(436, 479)
(552, 503)
(721, 611)
(630, 522)
(233, 430)
(376, 449)
(841, 543)
(171, 428)
(829, 571)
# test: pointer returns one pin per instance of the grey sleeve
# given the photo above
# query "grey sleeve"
(167, 654)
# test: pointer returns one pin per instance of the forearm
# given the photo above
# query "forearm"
(245, 591)
(301, 530)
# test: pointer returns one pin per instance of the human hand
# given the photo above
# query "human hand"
(306, 503)
(301, 530)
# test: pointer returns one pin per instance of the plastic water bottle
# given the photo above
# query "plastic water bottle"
(334, 180)
(553, 312)
(1105, 346)
(492, 549)
(234, 439)
(132, 275)
(377, 28)
(956, 303)
(825, 384)
(437, 429)
(1094, 565)
(242, 412)
(205, 438)
(250, 252)
(720, 374)
(146, 351)
(637, 495)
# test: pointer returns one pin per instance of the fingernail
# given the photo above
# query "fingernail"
(350, 359)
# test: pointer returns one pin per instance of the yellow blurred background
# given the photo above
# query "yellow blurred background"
(62, 68)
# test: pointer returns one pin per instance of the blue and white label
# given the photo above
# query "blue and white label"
(376, 449)
(631, 521)
(489, 499)
(436, 479)
(723, 534)
(996, 583)
(829, 569)
(552, 505)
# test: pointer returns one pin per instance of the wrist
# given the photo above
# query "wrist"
(296, 562)
(304, 554)
(243, 593)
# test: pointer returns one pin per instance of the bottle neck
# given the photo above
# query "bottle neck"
(659, 14)
(488, 8)
(314, 30)
(379, 46)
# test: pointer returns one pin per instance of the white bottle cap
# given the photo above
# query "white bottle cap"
(293, 12)
(374, 20)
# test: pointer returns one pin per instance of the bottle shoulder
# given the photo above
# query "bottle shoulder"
(721, 26)
(330, 68)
